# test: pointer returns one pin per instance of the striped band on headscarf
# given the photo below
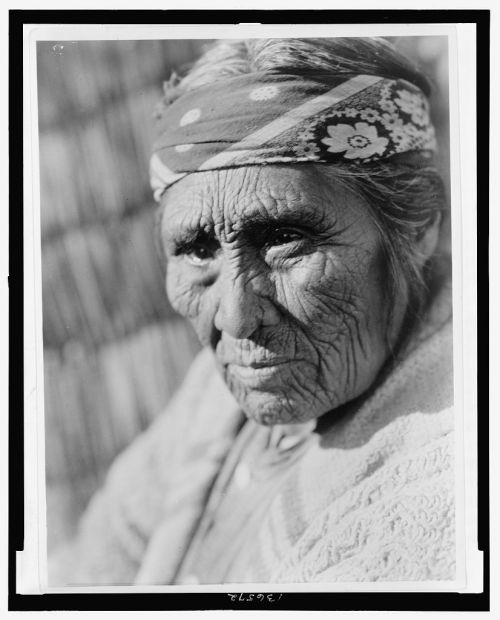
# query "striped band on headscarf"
(264, 118)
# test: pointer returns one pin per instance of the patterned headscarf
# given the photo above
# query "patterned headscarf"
(265, 118)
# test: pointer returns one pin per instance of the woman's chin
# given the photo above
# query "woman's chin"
(270, 408)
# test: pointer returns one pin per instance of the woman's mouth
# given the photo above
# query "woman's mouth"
(258, 372)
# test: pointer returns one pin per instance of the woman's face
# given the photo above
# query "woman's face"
(282, 275)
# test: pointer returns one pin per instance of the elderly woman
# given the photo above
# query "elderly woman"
(312, 439)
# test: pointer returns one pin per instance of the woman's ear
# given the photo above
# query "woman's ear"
(427, 242)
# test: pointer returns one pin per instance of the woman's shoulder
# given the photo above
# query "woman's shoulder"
(396, 523)
(386, 510)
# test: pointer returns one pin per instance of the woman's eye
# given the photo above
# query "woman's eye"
(282, 236)
(200, 254)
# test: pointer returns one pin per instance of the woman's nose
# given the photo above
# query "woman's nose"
(242, 309)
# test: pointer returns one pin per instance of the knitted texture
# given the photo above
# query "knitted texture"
(371, 499)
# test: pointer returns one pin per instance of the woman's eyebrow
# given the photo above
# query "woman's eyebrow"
(255, 228)
(177, 237)
(258, 221)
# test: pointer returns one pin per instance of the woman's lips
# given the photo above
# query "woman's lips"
(258, 370)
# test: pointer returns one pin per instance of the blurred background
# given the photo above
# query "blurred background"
(114, 350)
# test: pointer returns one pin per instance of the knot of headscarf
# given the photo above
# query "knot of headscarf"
(264, 118)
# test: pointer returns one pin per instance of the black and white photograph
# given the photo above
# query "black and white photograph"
(246, 255)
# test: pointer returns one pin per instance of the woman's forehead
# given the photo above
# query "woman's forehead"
(231, 198)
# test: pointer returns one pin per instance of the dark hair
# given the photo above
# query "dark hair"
(405, 197)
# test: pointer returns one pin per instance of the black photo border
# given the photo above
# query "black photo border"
(387, 601)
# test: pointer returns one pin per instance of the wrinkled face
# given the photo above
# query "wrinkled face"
(282, 274)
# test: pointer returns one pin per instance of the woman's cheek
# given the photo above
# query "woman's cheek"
(182, 292)
(310, 287)
(192, 301)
